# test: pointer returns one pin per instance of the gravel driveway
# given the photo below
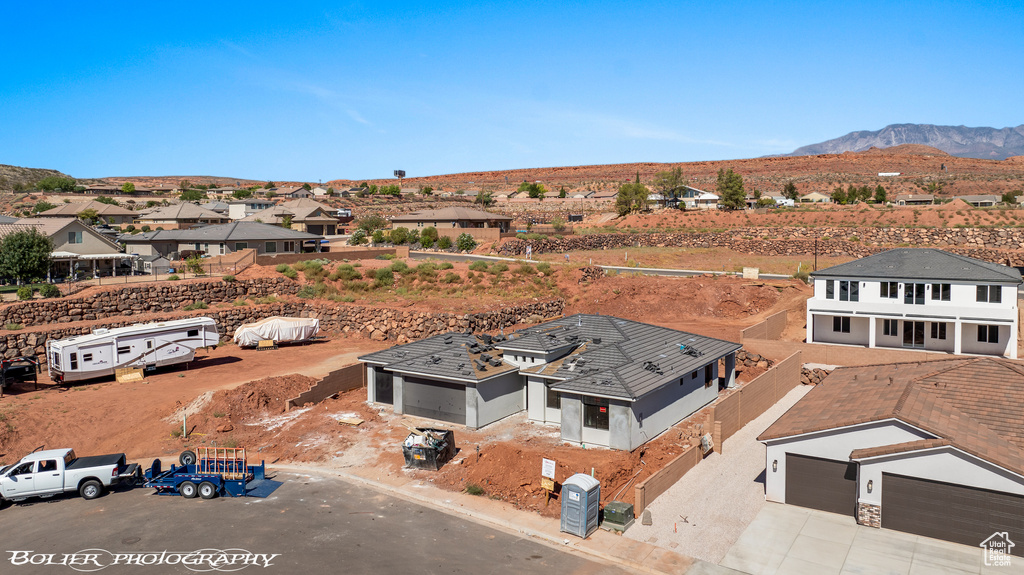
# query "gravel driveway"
(705, 512)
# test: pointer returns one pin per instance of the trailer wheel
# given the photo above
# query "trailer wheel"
(187, 458)
(91, 489)
(187, 489)
(207, 490)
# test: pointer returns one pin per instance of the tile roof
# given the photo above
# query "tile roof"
(452, 355)
(183, 211)
(72, 210)
(277, 214)
(922, 264)
(973, 404)
(234, 231)
(603, 355)
(451, 214)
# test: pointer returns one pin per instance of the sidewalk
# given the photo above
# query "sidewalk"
(602, 544)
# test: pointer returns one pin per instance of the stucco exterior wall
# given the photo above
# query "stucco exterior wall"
(496, 398)
(655, 412)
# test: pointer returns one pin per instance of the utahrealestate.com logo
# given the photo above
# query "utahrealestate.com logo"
(202, 560)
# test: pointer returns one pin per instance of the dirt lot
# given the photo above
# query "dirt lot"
(709, 259)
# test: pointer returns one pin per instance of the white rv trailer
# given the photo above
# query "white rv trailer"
(145, 345)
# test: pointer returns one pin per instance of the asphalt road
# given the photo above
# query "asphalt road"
(312, 524)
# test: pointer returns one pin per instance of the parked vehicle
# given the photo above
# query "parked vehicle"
(25, 368)
(277, 329)
(207, 472)
(148, 346)
(48, 473)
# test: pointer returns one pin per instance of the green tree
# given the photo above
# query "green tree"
(533, 189)
(465, 242)
(371, 222)
(789, 191)
(483, 197)
(399, 235)
(561, 192)
(25, 255)
(632, 197)
(880, 194)
(184, 185)
(839, 196)
(269, 195)
(42, 206)
(426, 190)
(670, 183)
(268, 185)
(191, 196)
(90, 216)
(242, 194)
(307, 187)
(730, 189)
(51, 183)
(331, 192)
(1008, 197)
(128, 188)
(428, 236)
(108, 201)
(286, 222)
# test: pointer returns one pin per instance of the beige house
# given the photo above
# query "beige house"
(915, 200)
(76, 247)
(110, 214)
(451, 222)
(220, 240)
(312, 219)
(181, 216)
(815, 198)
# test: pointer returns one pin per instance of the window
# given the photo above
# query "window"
(74, 237)
(693, 375)
(890, 290)
(988, 333)
(47, 465)
(271, 248)
(841, 324)
(913, 294)
(938, 330)
(192, 333)
(890, 327)
(86, 357)
(23, 469)
(121, 350)
(289, 247)
(830, 289)
(940, 292)
(241, 246)
(913, 334)
(709, 375)
(849, 291)
(74, 361)
(990, 294)
(595, 412)
(554, 399)
(221, 248)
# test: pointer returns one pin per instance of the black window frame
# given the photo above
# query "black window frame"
(121, 350)
(938, 330)
(840, 324)
(74, 361)
(913, 293)
(889, 290)
(891, 327)
(87, 356)
(988, 334)
(192, 333)
(941, 292)
(593, 417)
(830, 289)
(990, 294)
(558, 399)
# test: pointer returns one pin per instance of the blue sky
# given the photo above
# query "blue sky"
(314, 91)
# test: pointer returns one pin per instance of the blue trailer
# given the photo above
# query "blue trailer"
(209, 472)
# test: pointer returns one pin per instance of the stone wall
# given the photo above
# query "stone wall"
(989, 244)
(162, 297)
(381, 324)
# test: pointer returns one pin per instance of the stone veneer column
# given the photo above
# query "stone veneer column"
(869, 515)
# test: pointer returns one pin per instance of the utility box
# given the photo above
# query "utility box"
(618, 516)
(581, 497)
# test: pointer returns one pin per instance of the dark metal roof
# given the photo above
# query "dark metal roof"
(451, 355)
(922, 264)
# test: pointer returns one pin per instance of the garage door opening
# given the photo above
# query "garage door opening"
(440, 400)
(821, 484)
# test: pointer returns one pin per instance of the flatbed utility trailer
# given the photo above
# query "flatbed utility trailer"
(207, 472)
(14, 369)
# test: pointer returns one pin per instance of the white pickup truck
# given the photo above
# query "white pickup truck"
(48, 473)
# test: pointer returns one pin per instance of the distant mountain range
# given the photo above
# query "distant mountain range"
(984, 143)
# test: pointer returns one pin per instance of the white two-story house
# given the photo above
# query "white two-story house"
(922, 298)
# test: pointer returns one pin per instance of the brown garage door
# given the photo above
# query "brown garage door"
(950, 512)
(821, 484)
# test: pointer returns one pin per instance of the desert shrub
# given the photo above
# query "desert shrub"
(281, 268)
(534, 236)
(426, 271)
(445, 266)
(558, 223)
(300, 266)
(399, 236)
(465, 242)
(306, 291)
(544, 268)
(497, 268)
(358, 237)
(356, 286)
(265, 300)
(13, 326)
(428, 236)
(474, 489)
(239, 303)
(228, 279)
(444, 242)
(386, 257)
(384, 278)
(49, 290)
(803, 273)
(196, 305)
(478, 266)
(345, 272)
(291, 274)
(399, 267)
(520, 236)
(451, 278)
(24, 292)
(173, 278)
(378, 236)
(525, 269)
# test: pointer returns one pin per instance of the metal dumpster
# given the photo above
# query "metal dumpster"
(428, 448)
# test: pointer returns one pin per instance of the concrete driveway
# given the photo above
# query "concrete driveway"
(789, 540)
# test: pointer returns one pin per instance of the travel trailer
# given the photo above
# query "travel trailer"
(145, 345)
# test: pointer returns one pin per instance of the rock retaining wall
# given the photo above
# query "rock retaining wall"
(989, 244)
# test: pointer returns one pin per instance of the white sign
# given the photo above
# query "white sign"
(574, 496)
(547, 468)
(888, 174)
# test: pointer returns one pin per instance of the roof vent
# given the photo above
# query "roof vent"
(485, 357)
(605, 382)
(495, 362)
(653, 367)
(480, 365)
(690, 350)
(597, 341)
(434, 359)
(485, 338)
(467, 372)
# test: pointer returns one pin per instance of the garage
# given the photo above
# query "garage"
(383, 386)
(956, 513)
(821, 484)
(434, 399)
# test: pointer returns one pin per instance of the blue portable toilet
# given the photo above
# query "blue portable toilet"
(581, 496)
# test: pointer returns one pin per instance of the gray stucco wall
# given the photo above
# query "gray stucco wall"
(399, 387)
(655, 412)
(620, 424)
(572, 417)
(495, 399)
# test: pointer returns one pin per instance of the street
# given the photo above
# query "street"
(311, 524)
